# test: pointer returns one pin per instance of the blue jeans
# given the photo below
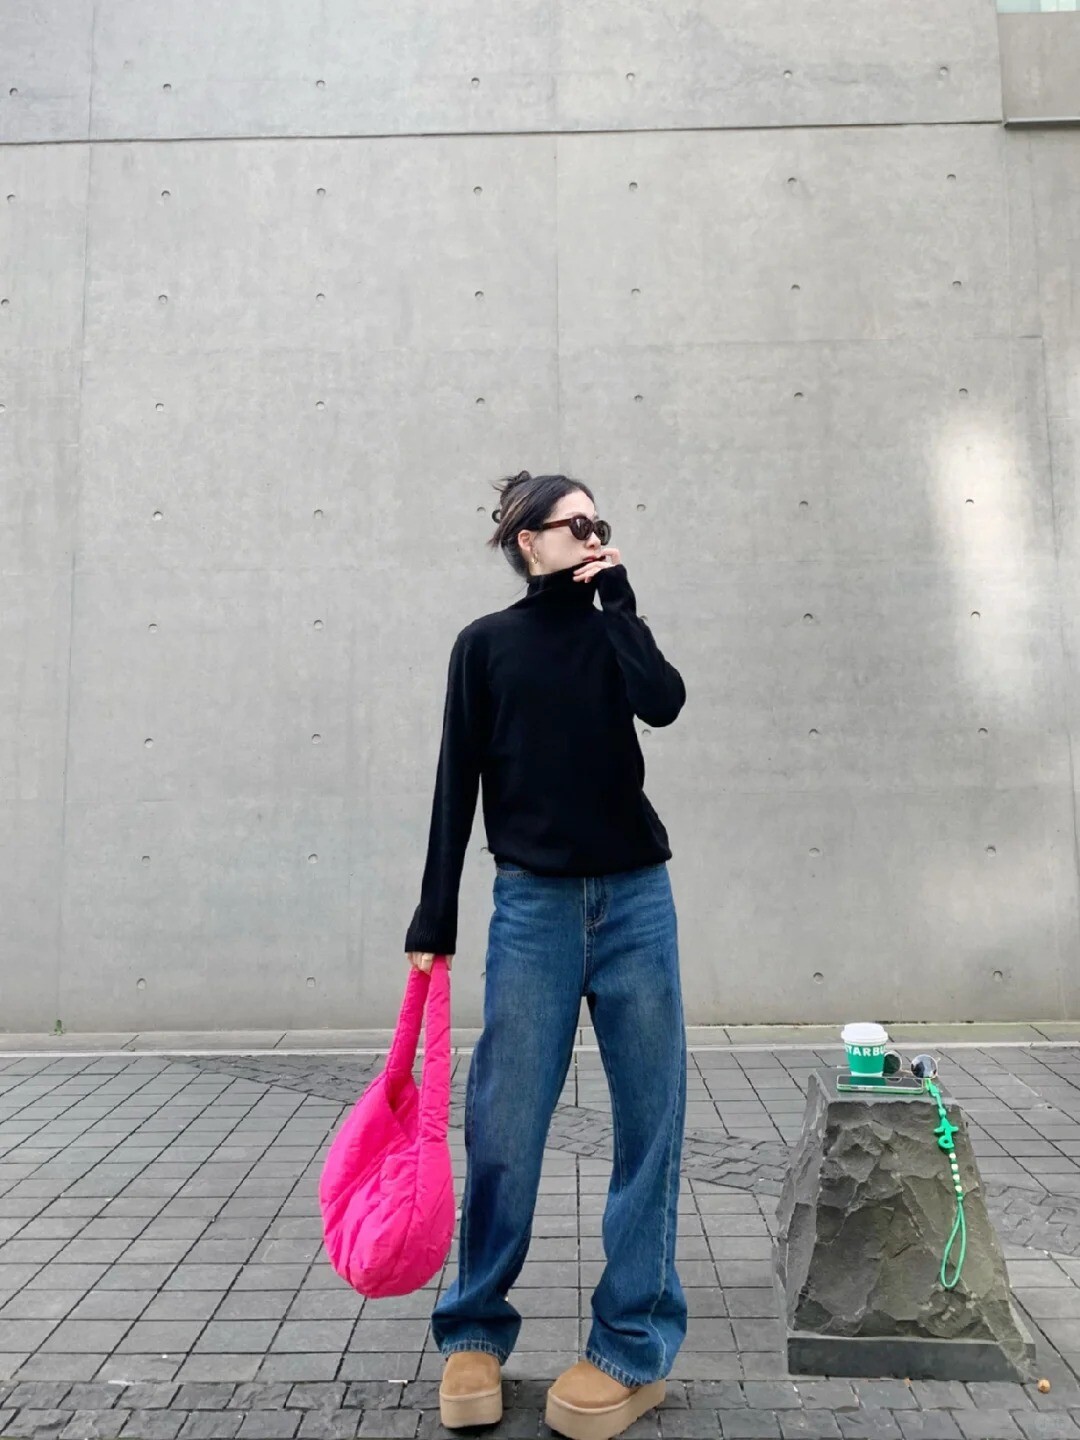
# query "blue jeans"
(552, 939)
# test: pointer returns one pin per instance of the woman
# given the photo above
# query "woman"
(540, 706)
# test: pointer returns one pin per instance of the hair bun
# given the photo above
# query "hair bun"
(521, 477)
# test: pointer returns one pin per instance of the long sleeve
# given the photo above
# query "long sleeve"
(655, 688)
(466, 723)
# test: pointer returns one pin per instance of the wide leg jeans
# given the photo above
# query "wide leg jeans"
(612, 939)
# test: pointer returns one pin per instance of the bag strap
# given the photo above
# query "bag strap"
(435, 1084)
(399, 1062)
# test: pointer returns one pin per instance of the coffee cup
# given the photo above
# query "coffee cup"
(866, 1044)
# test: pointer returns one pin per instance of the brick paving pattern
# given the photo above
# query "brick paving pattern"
(161, 1271)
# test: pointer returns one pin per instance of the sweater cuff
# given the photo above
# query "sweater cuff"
(424, 936)
(613, 585)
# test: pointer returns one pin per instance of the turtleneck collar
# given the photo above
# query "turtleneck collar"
(559, 587)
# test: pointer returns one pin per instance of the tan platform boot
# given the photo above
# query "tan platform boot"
(587, 1404)
(471, 1390)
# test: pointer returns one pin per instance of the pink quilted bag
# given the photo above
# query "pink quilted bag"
(387, 1189)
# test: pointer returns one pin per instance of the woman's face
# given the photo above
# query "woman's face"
(557, 549)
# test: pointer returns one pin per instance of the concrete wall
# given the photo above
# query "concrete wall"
(1040, 66)
(775, 280)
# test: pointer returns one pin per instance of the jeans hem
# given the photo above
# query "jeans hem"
(455, 1346)
(617, 1372)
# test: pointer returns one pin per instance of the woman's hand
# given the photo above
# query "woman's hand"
(422, 960)
(608, 556)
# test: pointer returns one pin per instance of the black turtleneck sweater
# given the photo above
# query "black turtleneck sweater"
(540, 700)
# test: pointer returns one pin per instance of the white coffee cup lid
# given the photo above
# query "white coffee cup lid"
(864, 1032)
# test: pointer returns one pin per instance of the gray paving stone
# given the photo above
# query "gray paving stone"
(763, 1365)
(390, 1425)
(210, 1366)
(515, 1425)
(37, 1423)
(133, 1277)
(772, 1395)
(48, 1366)
(203, 1396)
(814, 1424)
(747, 1424)
(376, 1394)
(392, 1335)
(182, 1305)
(95, 1425)
(987, 1424)
(258, 1396)
(157, 1424)
(318, 1395)
(111, 1305)
(145, 1336)
(420, 1395)
(299, 1365)
(319, 1335)
(91, 1396)
(148, 1396)
(928, 1425)
(211, 1425)
(237, 1337)
(200, 1277)
(716, 1394)
(999, 1395)
(269, 1425)
(329, 1425)
(941, 1395)
(1047, 1425)
(689, 1424)
(37, 1395)
(148, 1369)
(827, 1394)
(79, 1337)
(17, 1335)
(271, 1305)
(885, 1394)
(869, 1425)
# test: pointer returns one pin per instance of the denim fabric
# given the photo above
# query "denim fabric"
(613, 939)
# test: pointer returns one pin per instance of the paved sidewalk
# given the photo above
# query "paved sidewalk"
(725, 1037)
(161, 1271)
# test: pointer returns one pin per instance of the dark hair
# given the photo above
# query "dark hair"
(527, 501)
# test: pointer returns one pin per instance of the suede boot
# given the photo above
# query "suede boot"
(471, 1390)
(586, 1404)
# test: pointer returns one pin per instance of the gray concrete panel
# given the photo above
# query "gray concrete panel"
(1040, 66)
(42, 239)
(244, 253)
(47, 70)
(42, 247)
(939, 928)
(874, 233)
(337, 69)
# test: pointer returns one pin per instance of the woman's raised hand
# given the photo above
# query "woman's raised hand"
(605, 557)
(422, 960)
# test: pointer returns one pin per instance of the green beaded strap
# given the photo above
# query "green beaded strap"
(945, 1131)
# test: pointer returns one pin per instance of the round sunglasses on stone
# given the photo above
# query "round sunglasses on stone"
(581, 527)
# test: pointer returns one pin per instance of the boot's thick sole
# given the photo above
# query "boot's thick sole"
(593, 1424)
(482, 1407)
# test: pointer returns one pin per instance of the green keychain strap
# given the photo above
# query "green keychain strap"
(945, 1130)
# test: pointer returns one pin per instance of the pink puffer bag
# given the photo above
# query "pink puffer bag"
(387, 1188)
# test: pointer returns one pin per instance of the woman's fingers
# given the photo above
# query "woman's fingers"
(423, 960)
(608, 556)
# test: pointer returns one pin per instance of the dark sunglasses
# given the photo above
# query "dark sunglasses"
(581, 527)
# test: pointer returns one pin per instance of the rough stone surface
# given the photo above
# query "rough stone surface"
(863, 1220)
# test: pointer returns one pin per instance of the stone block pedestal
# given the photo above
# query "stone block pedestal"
(864, 1218)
